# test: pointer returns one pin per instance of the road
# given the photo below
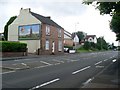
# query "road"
(57, 71)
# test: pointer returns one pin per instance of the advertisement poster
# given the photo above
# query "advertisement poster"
(28, 32)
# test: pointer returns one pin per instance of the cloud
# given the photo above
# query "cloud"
(65, 12)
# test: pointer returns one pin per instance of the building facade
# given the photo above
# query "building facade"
(68, 41)
(42, 35)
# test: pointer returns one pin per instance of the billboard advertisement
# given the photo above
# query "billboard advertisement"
(29, 32)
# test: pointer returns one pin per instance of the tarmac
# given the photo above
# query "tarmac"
(108, 78)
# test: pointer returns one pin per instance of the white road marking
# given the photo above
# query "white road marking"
(105, 59)
(7, 72)
(81, 70)
(16, 60)
(45, 62)
(88, 81)
(99, 66)
(22, 60)
(24, 64)
(98, 62)
(114, 60)
(44, 84)
(42, 66)
(74, 60)
(58, 61)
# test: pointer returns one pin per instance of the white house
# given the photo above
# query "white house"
(91, 38)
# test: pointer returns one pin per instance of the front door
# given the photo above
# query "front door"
(53, 47)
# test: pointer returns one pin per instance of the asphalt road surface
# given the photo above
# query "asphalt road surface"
(56, 71)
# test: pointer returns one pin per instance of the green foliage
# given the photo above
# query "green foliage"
(111, 8)
(6, 26)
(102, 44)
(7, 46)
(115, 25)
(87, 45)
(80, 35)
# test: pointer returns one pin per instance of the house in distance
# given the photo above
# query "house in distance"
(42, 34)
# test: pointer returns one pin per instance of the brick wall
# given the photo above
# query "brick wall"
(52, 37)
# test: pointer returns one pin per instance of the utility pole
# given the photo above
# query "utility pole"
(101, 43)
(75, 34)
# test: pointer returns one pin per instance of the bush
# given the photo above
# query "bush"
(7, 46)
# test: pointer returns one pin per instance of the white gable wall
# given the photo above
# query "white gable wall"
(24, 18)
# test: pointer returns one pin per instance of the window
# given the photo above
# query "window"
(59, 45)
(47, 30)
(59, 33)
(47, 45)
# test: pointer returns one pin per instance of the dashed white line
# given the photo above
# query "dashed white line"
(114, 60)
(98, 62)
(105, 59)
(44, 84)
(81, 70)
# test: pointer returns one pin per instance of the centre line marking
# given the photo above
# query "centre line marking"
(81, 70)
(98, 62)
(44, 84)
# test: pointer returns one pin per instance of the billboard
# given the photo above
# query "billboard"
(29, 32)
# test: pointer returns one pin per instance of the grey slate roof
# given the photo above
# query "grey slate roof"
(45, 20)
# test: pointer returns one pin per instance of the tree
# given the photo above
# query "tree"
(111, 8)
(86, 45)
(80, 35)
(102, 44)
(6, 26)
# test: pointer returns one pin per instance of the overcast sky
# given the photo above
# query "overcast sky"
(67, 13)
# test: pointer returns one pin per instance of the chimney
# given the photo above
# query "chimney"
(48, 17)
(27, 10)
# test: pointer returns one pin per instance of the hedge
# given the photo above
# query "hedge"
(8, 46)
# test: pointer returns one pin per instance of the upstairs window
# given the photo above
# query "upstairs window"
(48, 30)
(59, 33)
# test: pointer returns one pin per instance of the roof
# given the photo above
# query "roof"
(68, 33)
(88, 36)
(45, 20)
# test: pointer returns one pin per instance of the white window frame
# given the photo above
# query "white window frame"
(59, 45)
(47, 45)
(47, 29)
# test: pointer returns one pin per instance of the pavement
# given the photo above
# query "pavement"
(107, 78)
